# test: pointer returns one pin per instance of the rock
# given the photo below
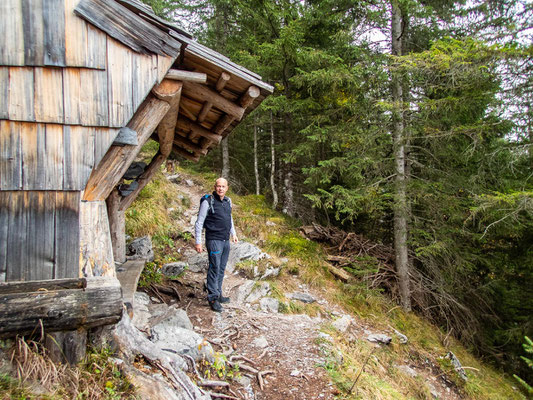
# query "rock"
(244, 290)
(269, 304)
(457, 365)
(258, 291)
(379, 338)
(260, 342)
(174, 339)
(174, 269)
(189, 182)
(141, 315)
(174, 178)
(270, 272)
(407, 370)
(141, 248)
(141, 298)
(173, 317)
(295, 372)
(433, 390)
(342, 324)
(401, 337)
(270, 223)
(197, 262)
(243, 251)
(303, 297)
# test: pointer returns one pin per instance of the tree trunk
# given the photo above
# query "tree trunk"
(256, 163)
(288, 189)
(225, 158)
(398, 131)
(273, 164)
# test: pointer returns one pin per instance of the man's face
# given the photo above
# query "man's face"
(221, 187)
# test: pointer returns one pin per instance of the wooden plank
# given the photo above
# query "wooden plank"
(203, 93)
(95, 240)
(54, 32)
(48, 99)
(117, 226)
(21, 94)
(11, 33)
(10, 156)
(125, 26)
(96, 48)
(117, 160)
(129, 275)
(167, 126)
(17, 209)
(53, 162)
(72, 95)
(94, 109)
(188, 145)
(5, 200)
(78, 156)
(100, 303)
(185, 154)
(42, 156)
(67, 235)
(75, 37)
(120, 84)
(43, 285)
(144, 76)
(32, 21)
(39, 244)
(186, 125)
(103, 138)
(4, 92)
(163, 65)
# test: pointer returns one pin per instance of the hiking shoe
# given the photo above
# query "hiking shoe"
(215, 306)
(223, 299)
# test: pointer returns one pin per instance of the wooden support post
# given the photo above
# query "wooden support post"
(203, 93)
(186, 125)
(167, 126)
(117, 226)
(245, 101)
(185, 154)
(118, 158)
(222, 81)
(188, 145)
(26, 306)
(181, 75)
(67, 347)
(221, 84)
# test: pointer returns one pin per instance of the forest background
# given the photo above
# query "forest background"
(406, 121)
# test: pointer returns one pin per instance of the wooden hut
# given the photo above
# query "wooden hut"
(83, 85)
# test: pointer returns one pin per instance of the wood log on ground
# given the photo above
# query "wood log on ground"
(24, 306)
(339, 273)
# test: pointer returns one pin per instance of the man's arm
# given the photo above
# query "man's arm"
(199, 225)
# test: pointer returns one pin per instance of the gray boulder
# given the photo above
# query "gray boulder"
(181, 341)
(343, 323)
(269, 304)
(197, 261)
(174, 269)
(141, 248)
(243, 251)
(379, 338)
(303, 297)
(457, 365)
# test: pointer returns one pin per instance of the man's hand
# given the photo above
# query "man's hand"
(234, 239)
(198, 248)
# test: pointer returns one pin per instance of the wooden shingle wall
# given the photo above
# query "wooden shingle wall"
(38, 231)
(66, 87)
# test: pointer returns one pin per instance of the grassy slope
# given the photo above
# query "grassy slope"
(380, 378)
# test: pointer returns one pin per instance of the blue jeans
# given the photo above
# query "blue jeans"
(218, 252)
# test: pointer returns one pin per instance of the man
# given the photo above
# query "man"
(215, 217)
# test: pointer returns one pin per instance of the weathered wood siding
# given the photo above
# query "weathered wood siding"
(39, 235)
(101, 82)
(95, 240)
(55, 157)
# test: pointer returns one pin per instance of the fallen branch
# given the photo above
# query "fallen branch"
(260, 376)
(222, 396)
(208, 383)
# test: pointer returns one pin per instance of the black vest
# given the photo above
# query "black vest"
(217, 224)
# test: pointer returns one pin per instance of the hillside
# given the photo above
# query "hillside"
(328, 337)
(291, 331)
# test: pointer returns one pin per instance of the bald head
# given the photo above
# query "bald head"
(221, 187)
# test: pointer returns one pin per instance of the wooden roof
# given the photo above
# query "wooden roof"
(210, 107)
